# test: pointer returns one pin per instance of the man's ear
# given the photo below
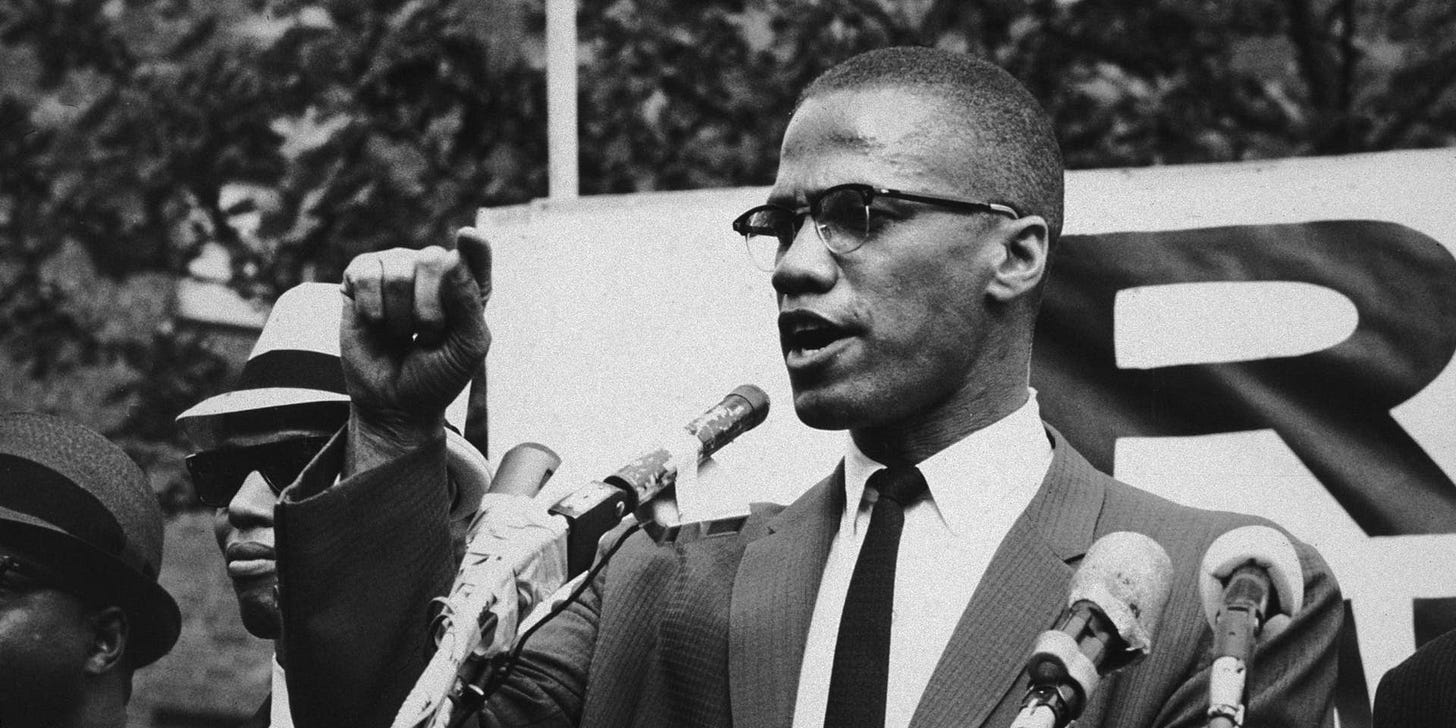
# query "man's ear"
(1025, 246)
(109, 634)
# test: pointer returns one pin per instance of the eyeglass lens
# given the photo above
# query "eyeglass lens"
(841, 218)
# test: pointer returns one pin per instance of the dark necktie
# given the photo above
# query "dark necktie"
(862, 650)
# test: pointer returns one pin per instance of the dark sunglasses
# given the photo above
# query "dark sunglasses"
(217, 475)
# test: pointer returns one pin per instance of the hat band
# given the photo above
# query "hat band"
(293, 368)
(32, 489)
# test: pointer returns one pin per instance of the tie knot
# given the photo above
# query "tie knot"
(902, 484)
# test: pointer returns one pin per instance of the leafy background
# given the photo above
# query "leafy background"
(261, 143)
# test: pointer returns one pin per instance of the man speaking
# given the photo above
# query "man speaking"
(908, 234)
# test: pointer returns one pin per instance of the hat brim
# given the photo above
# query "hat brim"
(470, 475)
(204, 422)
(154, 619)
(243, 400)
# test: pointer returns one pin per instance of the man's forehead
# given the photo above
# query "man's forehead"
(864, 119)
(897, 136)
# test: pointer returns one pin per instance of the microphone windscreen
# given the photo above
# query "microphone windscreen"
(757, 398)
(1262, 545)
(743, 409)
(1128, 575)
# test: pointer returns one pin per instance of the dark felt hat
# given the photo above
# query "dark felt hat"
(70, 497)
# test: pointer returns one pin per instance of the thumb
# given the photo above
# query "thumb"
(475, 252)
(464, 309)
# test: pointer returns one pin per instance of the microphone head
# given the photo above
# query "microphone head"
(756, 398)
(1128, 575)
(1261, 545)
(524, 469)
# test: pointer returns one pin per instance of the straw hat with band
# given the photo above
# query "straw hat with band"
(76, 503)
(294, 376)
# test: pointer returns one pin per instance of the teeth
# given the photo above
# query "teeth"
(814, 337)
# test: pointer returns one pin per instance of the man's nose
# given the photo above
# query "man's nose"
(807, 266)
(253, 504)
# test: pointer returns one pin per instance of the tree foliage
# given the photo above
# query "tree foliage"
(294, 135)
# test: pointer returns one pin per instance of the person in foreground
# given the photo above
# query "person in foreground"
(80, 549)
(256, 439)
(917, 204)
(1421, 691)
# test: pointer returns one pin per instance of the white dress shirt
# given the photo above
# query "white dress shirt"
(978, 488)
(278, 714)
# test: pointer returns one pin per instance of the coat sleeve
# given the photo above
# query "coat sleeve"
(548, 685)
(358, 562)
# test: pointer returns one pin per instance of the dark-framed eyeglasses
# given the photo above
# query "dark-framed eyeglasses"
(843, 218)
(217, 475)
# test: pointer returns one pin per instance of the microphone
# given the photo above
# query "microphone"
(1113, 607)
(1248, 575)
(525, 469)
(597, 507)
(453, 685)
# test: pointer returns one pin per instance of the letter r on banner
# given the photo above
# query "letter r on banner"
(1332, 406)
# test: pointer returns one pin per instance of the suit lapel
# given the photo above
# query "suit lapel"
(773, 601)
(1021, 594)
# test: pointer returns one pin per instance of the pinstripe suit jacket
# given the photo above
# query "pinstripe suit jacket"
(711, 633)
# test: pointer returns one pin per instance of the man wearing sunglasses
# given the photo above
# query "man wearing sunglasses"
(255, 440)
(80, 549)
(908, 233)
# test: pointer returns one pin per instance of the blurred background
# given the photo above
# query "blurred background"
(167, 167)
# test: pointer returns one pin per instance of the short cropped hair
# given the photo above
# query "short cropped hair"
(1021, 161)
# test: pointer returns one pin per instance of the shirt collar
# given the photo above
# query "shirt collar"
(983, 481)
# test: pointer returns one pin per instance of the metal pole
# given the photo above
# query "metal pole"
(561, 141)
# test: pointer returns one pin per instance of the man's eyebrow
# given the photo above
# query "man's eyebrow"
(856, 142)
(783, 199)
(843, 139)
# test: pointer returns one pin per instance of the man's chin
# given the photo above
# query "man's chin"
(822, 410)
(258, 606)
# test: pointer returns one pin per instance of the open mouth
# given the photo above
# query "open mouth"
(805, 336)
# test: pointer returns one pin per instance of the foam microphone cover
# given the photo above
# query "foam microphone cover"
(1128, 575)
(1262, 545)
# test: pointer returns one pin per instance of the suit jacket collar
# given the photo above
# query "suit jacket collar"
(1021, 594)
(1066, 508)
(773, 601)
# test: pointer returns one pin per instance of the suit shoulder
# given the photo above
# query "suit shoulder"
(1126, 502)
(1186, 532)
(1417, 692)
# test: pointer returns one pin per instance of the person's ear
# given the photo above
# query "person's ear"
(1025, 246)
(109, 634)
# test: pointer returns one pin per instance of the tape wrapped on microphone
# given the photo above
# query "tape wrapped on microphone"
(514, 560)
